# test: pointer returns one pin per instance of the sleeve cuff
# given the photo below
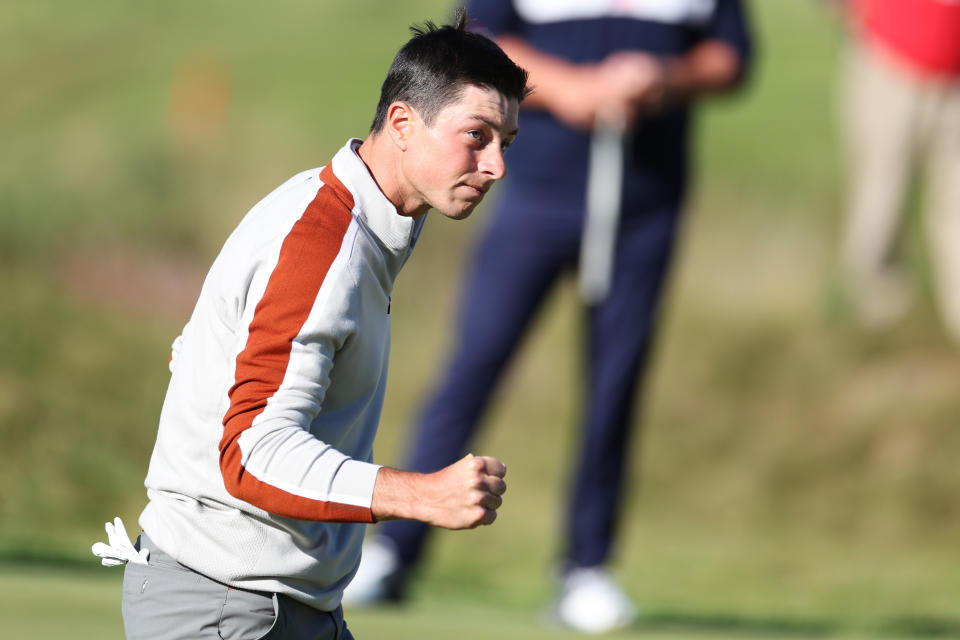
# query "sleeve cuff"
(354, 482)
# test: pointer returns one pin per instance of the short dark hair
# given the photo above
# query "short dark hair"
(434, 67)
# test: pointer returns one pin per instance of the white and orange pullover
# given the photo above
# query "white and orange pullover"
(262, 472)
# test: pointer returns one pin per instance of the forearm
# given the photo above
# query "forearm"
(626, 84)
(552, 78)
(395, 495)
(709, 68)
(462, 496)
(289, 472)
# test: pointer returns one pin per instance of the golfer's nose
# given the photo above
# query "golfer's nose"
(492, 164)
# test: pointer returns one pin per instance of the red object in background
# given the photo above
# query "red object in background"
(923, 33)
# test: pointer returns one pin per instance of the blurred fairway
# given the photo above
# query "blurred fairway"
(794, 478)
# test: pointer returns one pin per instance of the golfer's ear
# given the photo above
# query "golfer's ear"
(401, 120)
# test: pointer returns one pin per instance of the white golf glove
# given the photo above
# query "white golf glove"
(119, 549)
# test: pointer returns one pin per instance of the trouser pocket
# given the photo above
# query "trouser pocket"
(164, 600)
(248, 615)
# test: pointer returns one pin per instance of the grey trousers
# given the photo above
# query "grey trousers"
(164, 600)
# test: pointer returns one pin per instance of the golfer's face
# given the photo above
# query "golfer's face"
(455, 160)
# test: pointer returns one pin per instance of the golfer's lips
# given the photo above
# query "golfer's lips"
(479, 190)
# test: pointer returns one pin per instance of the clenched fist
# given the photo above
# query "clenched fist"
(464, 495)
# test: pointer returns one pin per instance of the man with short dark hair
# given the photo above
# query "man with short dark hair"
(262, 476)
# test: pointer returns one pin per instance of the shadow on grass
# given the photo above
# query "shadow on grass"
(707, 624)
(921, 627)
(764, 627)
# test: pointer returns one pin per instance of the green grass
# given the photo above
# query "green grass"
(725, 587)
(794, 477)
(44, 602)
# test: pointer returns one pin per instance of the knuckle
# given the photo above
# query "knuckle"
(477, 516)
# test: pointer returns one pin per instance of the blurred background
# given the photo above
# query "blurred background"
(796, 477)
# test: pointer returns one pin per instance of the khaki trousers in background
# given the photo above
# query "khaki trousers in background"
(899, 127)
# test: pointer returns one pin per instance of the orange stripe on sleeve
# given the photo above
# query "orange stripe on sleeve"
(305, 258)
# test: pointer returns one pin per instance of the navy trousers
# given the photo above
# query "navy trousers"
(531, 241)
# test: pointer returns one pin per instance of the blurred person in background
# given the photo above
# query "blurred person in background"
(262, 477)
(902, 118)
(635, 69)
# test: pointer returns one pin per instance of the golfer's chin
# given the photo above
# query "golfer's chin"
(459, 209)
